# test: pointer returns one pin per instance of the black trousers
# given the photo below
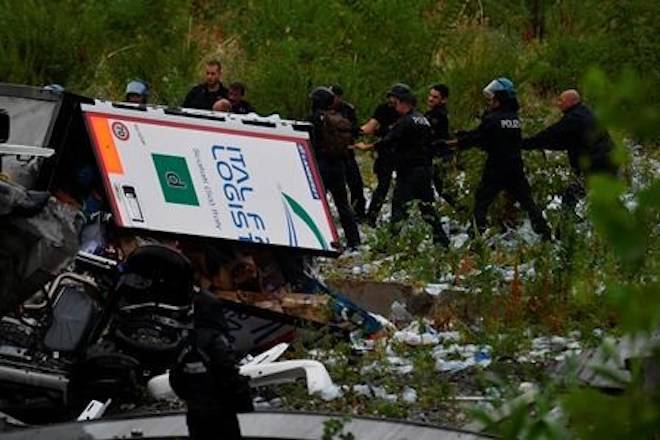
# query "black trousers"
(208, 425)
(355, 184)
(573, 193)
(415, 184)
(439, 164)
(576, 189)
(333, 173)
(515, 183)
(383, 169)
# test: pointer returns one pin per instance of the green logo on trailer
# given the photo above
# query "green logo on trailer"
(175, 179)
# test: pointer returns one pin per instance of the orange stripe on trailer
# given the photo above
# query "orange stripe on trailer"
(105, 145)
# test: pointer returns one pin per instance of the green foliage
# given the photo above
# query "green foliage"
(627, 232)
(294, 45)
(633, 414)
(626, 249)
(96, 47)
(333, 429)
(422, 265)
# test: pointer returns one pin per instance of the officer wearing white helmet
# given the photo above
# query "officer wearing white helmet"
(499, 135)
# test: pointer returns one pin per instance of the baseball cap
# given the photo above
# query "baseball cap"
(137, 87)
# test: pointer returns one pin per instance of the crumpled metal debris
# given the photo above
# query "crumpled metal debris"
(35, 247)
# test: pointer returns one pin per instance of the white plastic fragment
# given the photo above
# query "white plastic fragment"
(436, 289)
(409, 395)
(417, 334)
(459, 240)
(362, 390)
(399, 313)
(460, 357)
(381, 393)
(331, 392)
(94, 410)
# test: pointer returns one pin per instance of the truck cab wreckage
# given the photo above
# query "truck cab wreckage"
(113, 216)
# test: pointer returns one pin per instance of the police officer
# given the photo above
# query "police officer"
(207, 378)
(438, 116)
(331, 165)
(499, 134)
(380, 123)
(587, 143)
(410, 140)
(353, 175)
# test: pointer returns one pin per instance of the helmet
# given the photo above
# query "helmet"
(500, 85)
(55, 88)
(322, 98)
(137, 87)
(402, 92)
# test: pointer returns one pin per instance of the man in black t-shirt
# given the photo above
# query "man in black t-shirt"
(203, 96)
(237, 98)
(438, 116)
(384, 117)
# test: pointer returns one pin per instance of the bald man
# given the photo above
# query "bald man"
(587, 143)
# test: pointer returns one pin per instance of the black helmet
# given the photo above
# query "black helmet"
(322, 98)
(402, 92)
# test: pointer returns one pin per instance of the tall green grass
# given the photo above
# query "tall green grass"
(95, 47)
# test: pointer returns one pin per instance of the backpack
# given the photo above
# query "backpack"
(336, 134)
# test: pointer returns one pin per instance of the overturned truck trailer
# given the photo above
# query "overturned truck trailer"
(113, 215)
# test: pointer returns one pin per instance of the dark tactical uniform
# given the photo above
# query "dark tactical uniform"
(588, 145)
(353, 176)
(439, 119)
(409, 140)
(333, 174)
(499, 135)
(202, 98)
(384, 163)
(207, 378)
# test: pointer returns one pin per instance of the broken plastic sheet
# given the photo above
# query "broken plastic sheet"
(15, 199)
(35, 248)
